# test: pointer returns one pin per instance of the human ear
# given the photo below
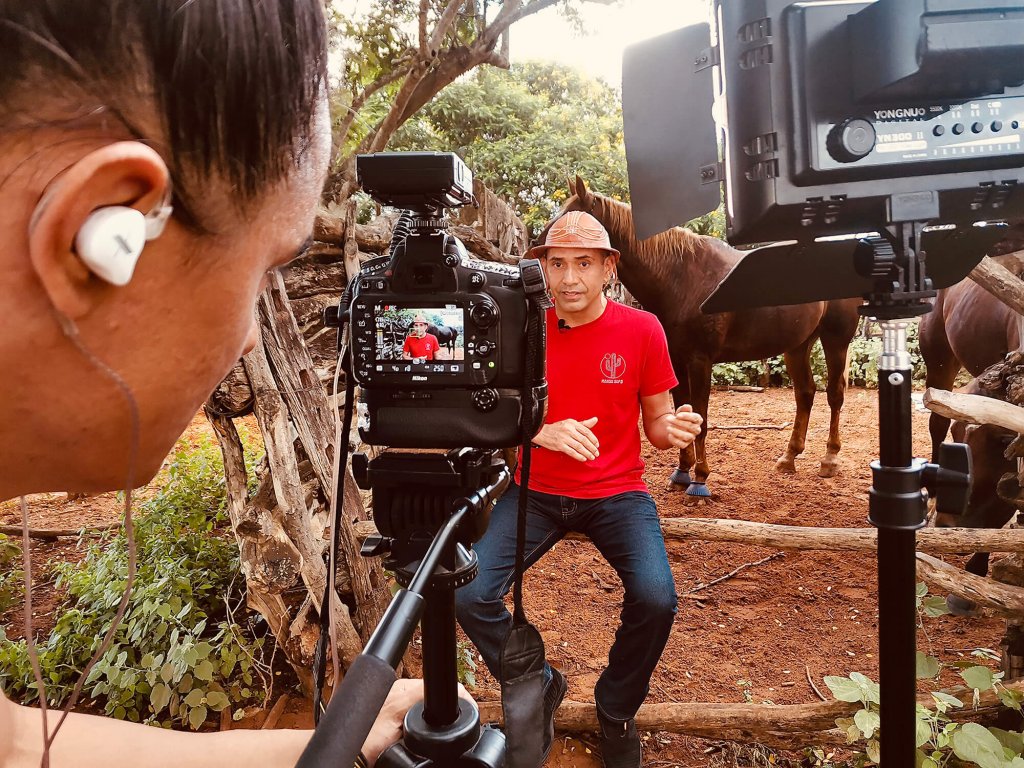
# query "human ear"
(128, 174)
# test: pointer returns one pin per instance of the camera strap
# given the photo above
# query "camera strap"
(522, 654)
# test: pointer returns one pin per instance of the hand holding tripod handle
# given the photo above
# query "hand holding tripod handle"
(350, 714)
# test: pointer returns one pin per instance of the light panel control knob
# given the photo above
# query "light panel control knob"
(851, 140)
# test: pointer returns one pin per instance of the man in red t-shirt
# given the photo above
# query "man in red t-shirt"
(607, 367)
(419, 345)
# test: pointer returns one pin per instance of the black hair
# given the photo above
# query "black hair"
(232, 84)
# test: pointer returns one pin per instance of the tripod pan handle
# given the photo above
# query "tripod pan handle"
(350, 714)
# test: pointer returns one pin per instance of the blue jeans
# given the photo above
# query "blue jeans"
(626, 530)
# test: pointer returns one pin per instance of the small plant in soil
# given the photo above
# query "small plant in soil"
(941, 742)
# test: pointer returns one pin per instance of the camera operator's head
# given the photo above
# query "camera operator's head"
(578, 261)
(214, 107)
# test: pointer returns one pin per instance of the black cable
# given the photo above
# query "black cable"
(320, 651)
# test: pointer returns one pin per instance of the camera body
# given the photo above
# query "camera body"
(438, 339)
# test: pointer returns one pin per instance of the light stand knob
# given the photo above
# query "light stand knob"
(949, 481)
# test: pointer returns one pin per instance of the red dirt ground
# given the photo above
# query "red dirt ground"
(771, 625)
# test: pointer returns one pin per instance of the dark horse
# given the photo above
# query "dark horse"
(445, 335)
(670, 275)
(970, 328)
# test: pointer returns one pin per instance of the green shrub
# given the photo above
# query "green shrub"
(11, 576)
(177, 655)
(863, 359)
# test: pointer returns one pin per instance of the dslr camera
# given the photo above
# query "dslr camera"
(438, 339)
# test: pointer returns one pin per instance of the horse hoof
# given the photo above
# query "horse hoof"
(959, 606)
(679, 481)
(700, 490)
(828, 470)
(785, 466)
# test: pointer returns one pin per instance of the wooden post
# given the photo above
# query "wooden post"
(800, 538)
(785, 726)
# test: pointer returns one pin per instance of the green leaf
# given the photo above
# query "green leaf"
(974, 742)
(196, 717)
(922, 733)
(1009, 739)
(944, 701)
(867, 722)
(1011, 698)
(978, 677)
(159, 697)
(843, 688)
(195, 697)
(204, 649)
(934, 606)
(217, 701)
(167, 672)
(873, 751)
(927, 666)
(204, 670)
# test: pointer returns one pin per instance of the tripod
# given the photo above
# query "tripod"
(415, 495)
(412, 496)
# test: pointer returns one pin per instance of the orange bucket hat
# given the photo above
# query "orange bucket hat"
(575, 229)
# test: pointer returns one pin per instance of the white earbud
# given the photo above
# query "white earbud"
(111, 240)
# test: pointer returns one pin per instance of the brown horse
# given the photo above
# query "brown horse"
(670, 275)
(968, 328)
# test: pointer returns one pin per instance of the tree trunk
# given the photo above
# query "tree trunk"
(314, 420)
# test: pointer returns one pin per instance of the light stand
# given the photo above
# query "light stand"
(894, 268)
(898, 504)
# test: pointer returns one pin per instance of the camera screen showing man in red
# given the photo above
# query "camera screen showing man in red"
(420, 346)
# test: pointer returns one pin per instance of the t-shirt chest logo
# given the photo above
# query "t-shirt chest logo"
(613, 365)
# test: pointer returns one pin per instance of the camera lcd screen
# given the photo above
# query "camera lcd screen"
(419, 339)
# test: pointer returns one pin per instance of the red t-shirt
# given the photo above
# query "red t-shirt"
(421, 347)
(601, 369)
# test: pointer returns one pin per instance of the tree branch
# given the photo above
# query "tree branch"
(361, 98)
(424, 5)
(448, 17)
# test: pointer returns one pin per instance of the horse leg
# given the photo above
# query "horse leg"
(700, 390)
(681, 479)
(798, 363)
(837, 361)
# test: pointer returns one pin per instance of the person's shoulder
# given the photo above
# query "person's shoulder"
(6, 729)
(633, 317)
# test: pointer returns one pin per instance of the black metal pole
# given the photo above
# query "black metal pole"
(897, 509)
(440, 649)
